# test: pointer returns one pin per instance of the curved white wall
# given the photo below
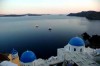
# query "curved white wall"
(72, 48)
(26, 64)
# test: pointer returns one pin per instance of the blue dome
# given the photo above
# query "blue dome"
(27, 56)
(14, 52)
(76, 41)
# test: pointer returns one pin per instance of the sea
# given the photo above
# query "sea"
(22, 34)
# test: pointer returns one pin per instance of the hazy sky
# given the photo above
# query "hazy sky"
(47, 6)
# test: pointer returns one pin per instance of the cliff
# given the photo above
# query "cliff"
(93, 41)
(3, 57)
(91, 15)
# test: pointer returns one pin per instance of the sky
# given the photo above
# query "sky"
(47, 6)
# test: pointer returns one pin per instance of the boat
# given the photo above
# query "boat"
(37, 26)
(50, 28)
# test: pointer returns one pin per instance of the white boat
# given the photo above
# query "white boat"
(37, 26)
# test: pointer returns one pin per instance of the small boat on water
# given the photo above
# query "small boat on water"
(36, 26)
(50, 28)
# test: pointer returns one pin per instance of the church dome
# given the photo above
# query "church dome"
(76, 41)
(27, 56)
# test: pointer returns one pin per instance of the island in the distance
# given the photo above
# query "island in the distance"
(91, 15)
(16, 15)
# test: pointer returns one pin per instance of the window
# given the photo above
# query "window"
(81, 50)
(69, 48)
(74, 49)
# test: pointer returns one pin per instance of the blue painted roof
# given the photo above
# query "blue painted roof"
(14, 51)
(76, 41)
(28, 56)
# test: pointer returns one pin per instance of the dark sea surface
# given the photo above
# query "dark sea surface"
(21, 33)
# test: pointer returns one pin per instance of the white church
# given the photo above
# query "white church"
(73, 54)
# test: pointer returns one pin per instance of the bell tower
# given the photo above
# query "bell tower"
(14, 54)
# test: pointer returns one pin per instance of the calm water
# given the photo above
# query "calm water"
(20, 32)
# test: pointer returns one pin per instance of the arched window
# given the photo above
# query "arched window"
(74, 49)
(69, 48)
(81, 50)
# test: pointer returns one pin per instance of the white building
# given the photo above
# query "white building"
(76, 44)
(72, 53)
(7, 63)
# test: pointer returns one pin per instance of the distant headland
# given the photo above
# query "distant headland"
(91, 15)
(16, 15)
